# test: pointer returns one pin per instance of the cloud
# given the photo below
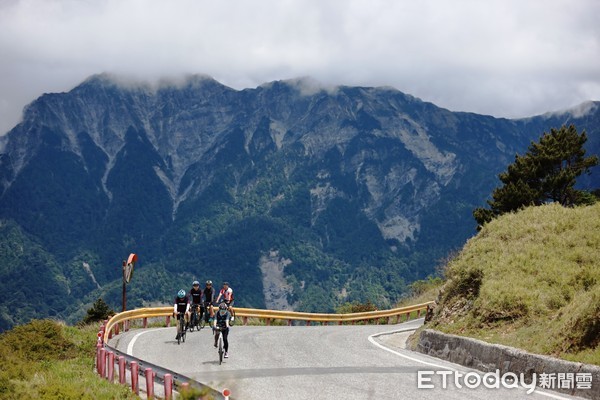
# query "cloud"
(500, 57)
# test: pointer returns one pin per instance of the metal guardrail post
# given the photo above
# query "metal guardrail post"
(98, 362)
(149, 383)
(135, 375)
(102, 359)
(168, 381)
(110, 361)
(122, 370)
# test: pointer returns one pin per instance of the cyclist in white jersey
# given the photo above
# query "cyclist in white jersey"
(226, 294)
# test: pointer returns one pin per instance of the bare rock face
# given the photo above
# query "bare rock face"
(276, 289)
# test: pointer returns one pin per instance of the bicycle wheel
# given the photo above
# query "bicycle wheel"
(181, 337)
(202, 323)
(220, 350)
(197, 319)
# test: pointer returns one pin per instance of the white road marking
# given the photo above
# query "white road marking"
(135, 338)
(372, 340)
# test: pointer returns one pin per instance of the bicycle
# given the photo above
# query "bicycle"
(181, 331)
(196, 319)
(220, 345)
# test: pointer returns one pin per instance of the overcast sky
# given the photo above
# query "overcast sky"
(507, 58)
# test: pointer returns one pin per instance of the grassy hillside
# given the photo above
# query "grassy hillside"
(47, 360)
(529, 280)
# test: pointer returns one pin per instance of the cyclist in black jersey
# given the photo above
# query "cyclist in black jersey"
(221, 325)
(181, 308)
(196, 297)
(209, 296)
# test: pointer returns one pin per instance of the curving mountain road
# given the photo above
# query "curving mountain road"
(317, 362)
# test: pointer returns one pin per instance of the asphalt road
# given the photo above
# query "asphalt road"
(314, 362)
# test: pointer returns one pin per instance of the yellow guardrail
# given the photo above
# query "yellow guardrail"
(144, 313)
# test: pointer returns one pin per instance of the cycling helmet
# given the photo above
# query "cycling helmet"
(209, 282)
(181, 294)
(225, 283)
(196, 283)
(222, 309)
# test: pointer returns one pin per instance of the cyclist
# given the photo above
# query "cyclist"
(227, 294)
(196, 297)
(181, 307)
(209, 297)
(221, 325)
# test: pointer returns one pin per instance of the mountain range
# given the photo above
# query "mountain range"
(301, 195)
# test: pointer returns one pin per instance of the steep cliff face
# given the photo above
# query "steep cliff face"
(361, 189)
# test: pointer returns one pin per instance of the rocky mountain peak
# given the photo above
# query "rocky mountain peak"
(358, 188)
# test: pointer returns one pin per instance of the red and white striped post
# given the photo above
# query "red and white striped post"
(226, 393)
(168, 320)
(122, 377)
(135, 371)
(245, 320)
(149, 383)
(101, 335)
(145, 322)
(168, 380)
(110, 361)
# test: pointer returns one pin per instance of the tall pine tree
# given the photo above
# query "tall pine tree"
(546, 173)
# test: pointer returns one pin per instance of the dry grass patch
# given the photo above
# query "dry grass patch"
(532, 280)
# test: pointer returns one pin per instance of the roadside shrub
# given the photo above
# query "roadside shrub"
(98, 312)
(38, 340)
